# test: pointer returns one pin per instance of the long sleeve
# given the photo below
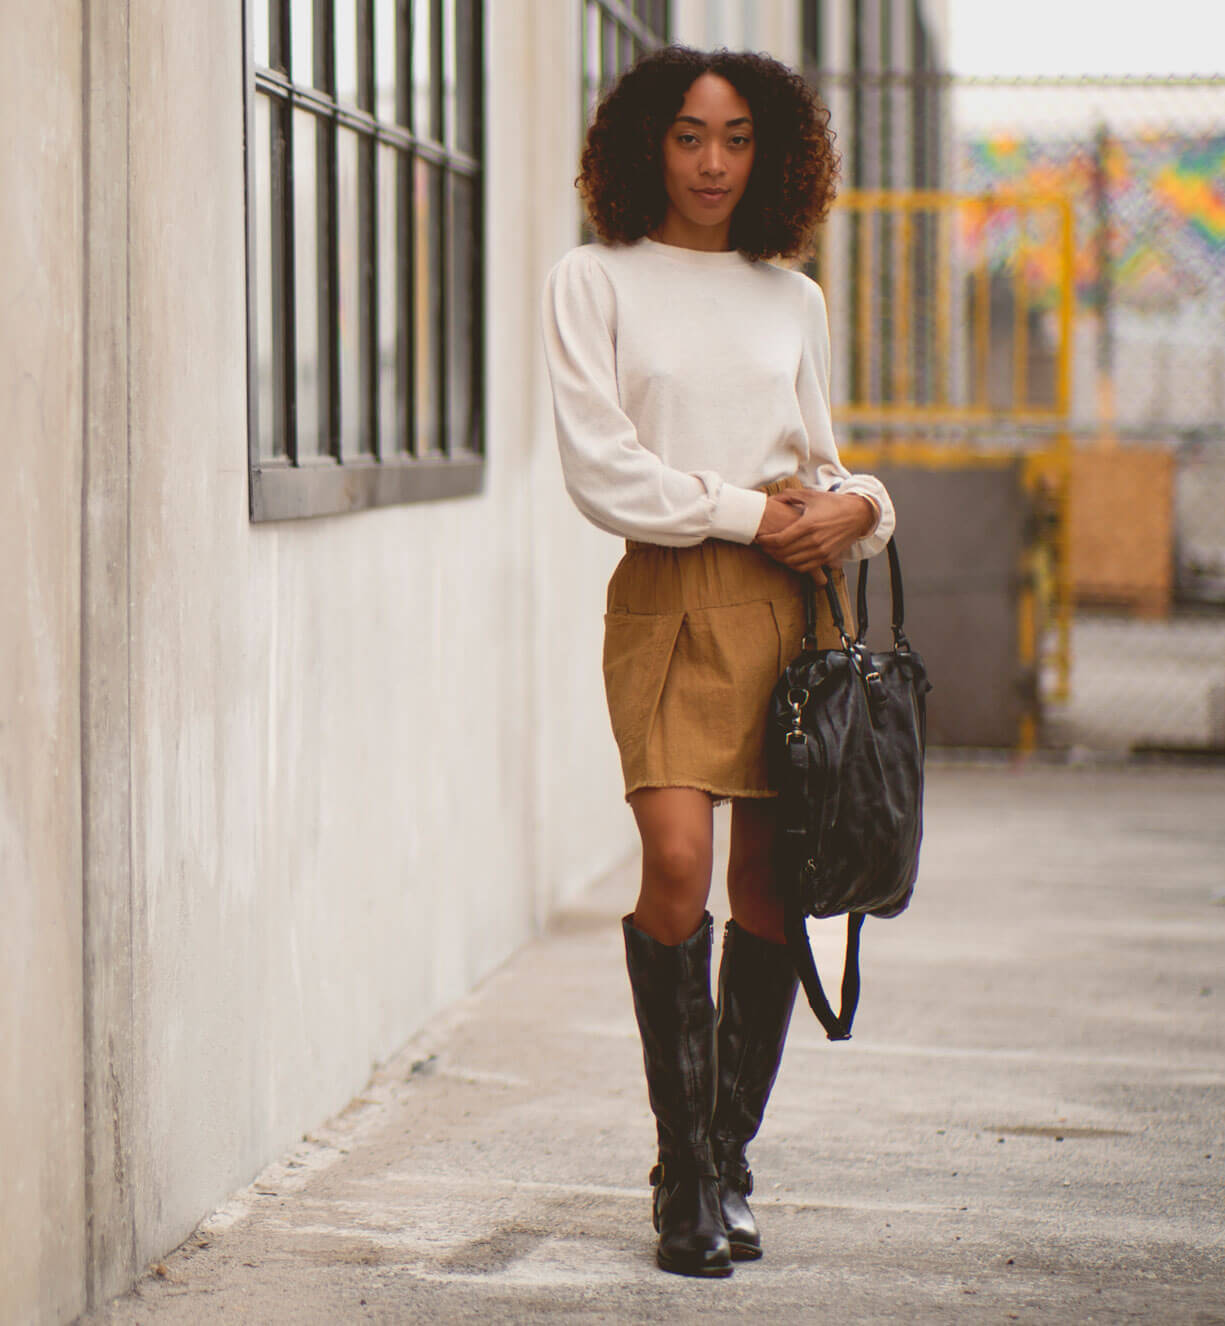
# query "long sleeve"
(823, 469)
(616, 482)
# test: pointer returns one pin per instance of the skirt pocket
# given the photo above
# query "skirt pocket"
(710, 727)
(637, 654)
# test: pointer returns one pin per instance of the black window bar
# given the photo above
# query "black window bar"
(365, 223)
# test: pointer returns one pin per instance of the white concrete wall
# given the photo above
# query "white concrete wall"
(42, 1205)
(335, 770)
(369, 752)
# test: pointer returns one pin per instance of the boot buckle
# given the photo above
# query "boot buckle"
(736, 1174)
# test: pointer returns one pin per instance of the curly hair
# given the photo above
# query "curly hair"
(795, 166)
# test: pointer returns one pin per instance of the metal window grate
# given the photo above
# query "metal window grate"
(365, 224)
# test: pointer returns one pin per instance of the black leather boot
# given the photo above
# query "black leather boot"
(757, 985)
(671, 985)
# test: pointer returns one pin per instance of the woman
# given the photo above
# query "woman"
(691, 390)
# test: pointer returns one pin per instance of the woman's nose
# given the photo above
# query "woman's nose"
(712, 160)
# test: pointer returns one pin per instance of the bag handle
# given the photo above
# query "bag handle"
(861, 603)
(837, 1025)
(897, 603)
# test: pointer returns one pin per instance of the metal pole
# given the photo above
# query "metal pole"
(1104, 292)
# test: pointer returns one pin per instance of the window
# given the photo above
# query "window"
(615, 34)
(364, 223)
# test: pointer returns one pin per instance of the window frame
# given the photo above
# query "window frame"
(285, 487)
(630, 26)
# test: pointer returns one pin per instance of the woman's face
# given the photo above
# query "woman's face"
(708, 157)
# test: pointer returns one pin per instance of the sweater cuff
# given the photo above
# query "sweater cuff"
(874, 542)
(737, 514)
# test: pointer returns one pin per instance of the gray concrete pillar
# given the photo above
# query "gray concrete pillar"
(105, 717)
(42, 1206)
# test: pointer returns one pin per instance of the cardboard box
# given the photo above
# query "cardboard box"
(1121, 528)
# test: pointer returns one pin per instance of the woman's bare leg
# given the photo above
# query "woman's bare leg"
(751, 890)
(676, 825)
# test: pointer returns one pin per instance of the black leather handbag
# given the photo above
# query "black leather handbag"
(845, 744)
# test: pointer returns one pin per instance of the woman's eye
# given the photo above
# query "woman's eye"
(740, 141)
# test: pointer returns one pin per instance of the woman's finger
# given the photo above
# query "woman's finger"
(805, 537)
(796, 533)
(810, 554)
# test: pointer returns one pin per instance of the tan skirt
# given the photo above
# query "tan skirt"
(694, 641)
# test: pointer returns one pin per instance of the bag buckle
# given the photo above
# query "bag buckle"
(875, 688)
(797, 698)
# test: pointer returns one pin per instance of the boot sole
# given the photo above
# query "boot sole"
(745, 1252)
(715, 1272)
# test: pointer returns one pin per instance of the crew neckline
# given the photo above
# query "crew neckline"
(695, 257)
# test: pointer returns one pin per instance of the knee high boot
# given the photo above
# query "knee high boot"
(671, 985)
(757, 987)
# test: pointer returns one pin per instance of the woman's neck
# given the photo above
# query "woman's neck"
(674, 229)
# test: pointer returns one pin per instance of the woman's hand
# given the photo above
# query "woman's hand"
(778, 515)
(821, 532)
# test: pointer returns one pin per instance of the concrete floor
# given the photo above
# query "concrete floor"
(1028, 1126)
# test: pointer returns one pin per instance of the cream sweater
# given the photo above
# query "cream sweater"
(684, 380)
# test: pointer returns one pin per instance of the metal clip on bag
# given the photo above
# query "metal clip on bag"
(845, 742)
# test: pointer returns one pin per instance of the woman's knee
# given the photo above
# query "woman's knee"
(751, 881)
(675, 889)
(752, 884)
(749, 866)
(677, 862)
(752, 889)
(675, 826)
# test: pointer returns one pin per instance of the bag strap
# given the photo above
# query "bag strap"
(895, 595)
(861, 603)
(837, 1025)
(897, 604)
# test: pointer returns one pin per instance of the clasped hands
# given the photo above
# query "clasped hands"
(808, 529)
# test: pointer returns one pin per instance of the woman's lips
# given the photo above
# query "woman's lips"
(712, 197)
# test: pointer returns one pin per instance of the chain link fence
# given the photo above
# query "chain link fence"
(1142, 163)
(1058, 292)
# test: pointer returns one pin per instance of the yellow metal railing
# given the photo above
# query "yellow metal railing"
(949, 326)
